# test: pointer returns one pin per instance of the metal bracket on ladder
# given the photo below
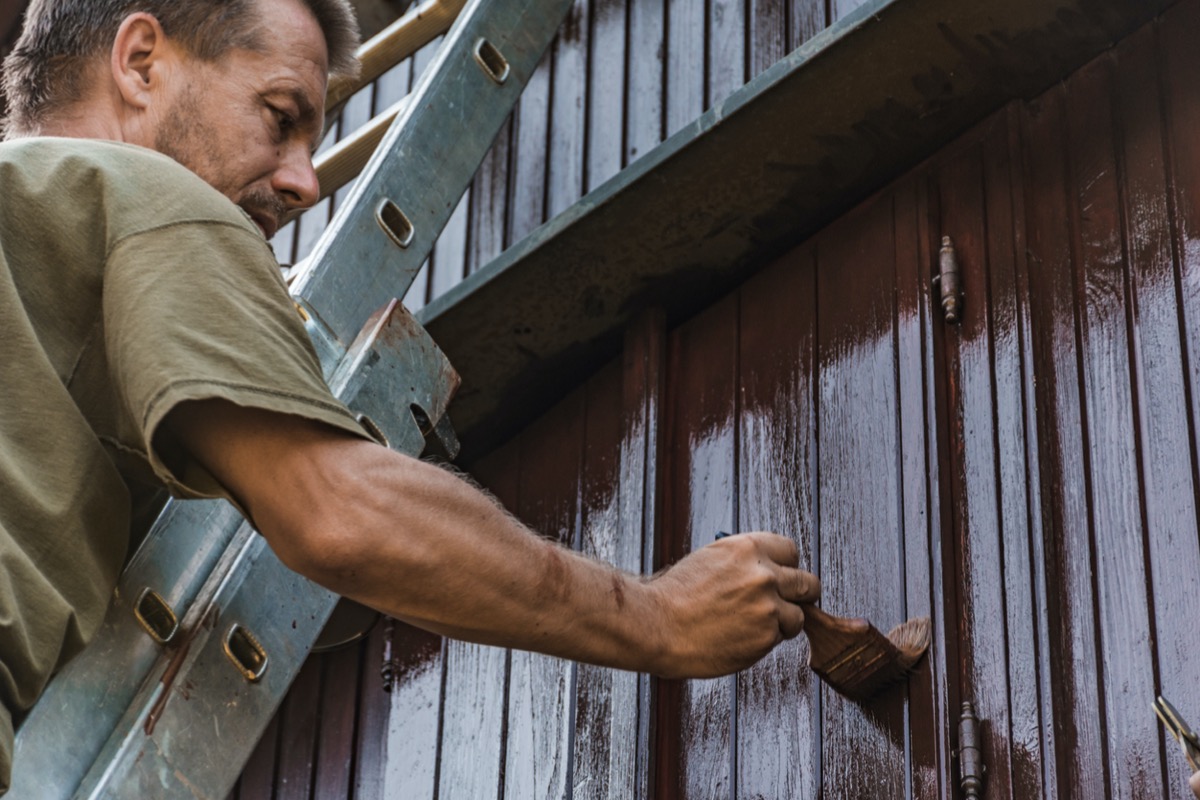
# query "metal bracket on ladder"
(207, 629)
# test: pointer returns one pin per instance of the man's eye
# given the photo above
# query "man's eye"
(283, 120)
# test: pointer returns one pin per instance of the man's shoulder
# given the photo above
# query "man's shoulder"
(144, 187)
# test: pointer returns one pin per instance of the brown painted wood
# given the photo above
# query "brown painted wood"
(861, 556)
(298, 735)
(1123, 629)
(258, 776)
(1081, 764)
(335, 744)
(606, 718)
(928, 740)
(540, 695)
(977, 515)
(414, 713)
(700, 488)
(1163, 217)
(778, 718)
(370, 755)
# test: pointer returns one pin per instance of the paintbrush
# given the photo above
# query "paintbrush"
(853, 657)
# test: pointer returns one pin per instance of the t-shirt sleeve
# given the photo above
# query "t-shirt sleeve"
(197, 310)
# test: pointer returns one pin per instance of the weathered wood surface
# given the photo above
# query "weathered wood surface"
(1027, 477)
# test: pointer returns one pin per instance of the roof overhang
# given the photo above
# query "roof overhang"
(830, 123)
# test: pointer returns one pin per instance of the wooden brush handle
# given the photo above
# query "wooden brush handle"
(829, 635)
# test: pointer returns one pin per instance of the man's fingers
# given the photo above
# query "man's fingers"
(798, 586)
(779, 549)
(791, 620)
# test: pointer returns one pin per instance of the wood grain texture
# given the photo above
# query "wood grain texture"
(606, 718)
(298, 735)
(700, 487)
(414, 712)
(726, 49)
(568, 112)
(927, 740)
(527, 172)
(861, 556)
(370, 748)
(974, 485)
(778, 717)
(1168, 312)
(335, 745)
(539, 747)
(1126, 660)
(605, 87)
(1081, 765)
(475, 703)
(644, 104)
(685, 63)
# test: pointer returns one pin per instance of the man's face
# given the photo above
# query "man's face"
(248, 124)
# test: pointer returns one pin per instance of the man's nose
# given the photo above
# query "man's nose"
(296, 179)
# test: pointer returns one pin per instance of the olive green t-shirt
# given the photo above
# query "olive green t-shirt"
(127, 286)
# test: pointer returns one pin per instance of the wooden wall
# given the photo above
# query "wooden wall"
(1029, 478)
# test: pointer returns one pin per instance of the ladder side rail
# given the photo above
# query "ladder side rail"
(378, 240)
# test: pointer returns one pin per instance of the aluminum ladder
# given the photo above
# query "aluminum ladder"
(207, 629)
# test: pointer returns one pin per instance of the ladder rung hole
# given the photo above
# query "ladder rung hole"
(493, 63)
(246, 653)
(395, 224)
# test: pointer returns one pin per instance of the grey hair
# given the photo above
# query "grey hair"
(46, 69)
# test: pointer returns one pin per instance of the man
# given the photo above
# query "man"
(149, 341)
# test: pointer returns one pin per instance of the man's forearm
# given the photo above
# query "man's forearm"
(421, 544)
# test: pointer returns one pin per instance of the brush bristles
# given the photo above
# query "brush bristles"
(911, 640)
(873, 661)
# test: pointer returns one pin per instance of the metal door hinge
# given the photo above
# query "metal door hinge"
(971, 769)
(947, 280)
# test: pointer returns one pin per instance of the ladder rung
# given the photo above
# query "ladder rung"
(396, 42)
(341, 163)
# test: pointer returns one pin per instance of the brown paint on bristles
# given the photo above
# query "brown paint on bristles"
(854, 658)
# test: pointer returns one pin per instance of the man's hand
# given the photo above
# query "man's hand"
(420, 544)
(728, 604)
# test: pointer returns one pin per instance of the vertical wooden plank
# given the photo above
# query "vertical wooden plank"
(726, 49)
(860, 553)
(928, 738)
(540, 720)
(527, 171)
(1166, 276)
(450, 251)
(298, 734)
(1080, 762)
(607, 712)
(258, 776)
(686, 68)
(778, 719)
(415, 707)
(699, 502)
(489, 198)
(1126, 665)
(335, 743)
(643, 393)
(370, 750)
(766, 34)
(807, 18)
(1009, 332)
(644, 124)
(475, 702)
(311, 224)
(355, 114)
(973, 483)
(568, 121)
(605, 92)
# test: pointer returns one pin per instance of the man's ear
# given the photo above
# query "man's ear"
(139, 58)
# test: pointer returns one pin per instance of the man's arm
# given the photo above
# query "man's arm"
(422, 545)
